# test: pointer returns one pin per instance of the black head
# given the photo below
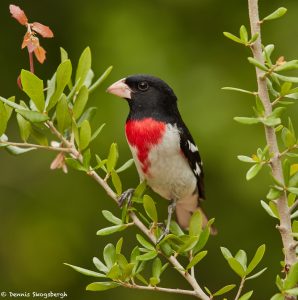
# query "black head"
(147, 96)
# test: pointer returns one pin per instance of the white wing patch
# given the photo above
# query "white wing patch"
(197, 170)
(192, 147)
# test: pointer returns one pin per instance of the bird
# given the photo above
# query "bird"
(162, 147)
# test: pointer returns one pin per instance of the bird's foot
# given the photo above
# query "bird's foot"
(163, 235)
(126, 196)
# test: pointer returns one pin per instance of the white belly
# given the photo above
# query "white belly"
(168, 171)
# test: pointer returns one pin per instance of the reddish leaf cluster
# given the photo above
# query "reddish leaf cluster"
(31, 41)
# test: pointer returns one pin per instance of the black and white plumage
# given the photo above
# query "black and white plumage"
(163, 149)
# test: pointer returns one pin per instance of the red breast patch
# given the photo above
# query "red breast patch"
(144, 134)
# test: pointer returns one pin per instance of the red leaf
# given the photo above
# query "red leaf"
(19, 82)
(18, 14)
(43, 30)
(26, 40)
(40, 54)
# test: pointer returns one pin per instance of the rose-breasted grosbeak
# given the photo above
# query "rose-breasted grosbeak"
(162, 147)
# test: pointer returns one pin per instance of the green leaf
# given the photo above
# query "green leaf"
(278, 297)
(11, 103)
(116, 182)
(292, 278)
(150, 208)
(85, 135)
(286, 66)
(3, 119)
(98, 82)
(147, 256)
(112, 229)
(197, 258)
(63, 54)
(119, 245)
(243, 34)
(109, 255)
(236, 266)
(273, 194)
(175, 228)
(242, 258)
(288, 138)
(204, 236)
(154, 281)
(83, 68)
(189, 244)
(74, 164)
(253, 171)
(257, 64)
(99, 265)
(80, 102)
(100, 163)
(33, 87)
(97, 132)
(63, 115)
(253, 38)
(18, 150)
(156, 268)
(233, 37)
(268, 209)
(293, 190)
(228, 88)
(285, 78)
(89, 78)
(224, 290)
(246, 296)
(246, 159)
(111, 218)
(32, 116)
(112, 157)
(256, 259)
(86, 159)
(63, 77)
(144, 243)
(139, 191)
(114, 273)
(39, 136)
(276, 14)
(256, 274)
(271, 122)
(125, 166)
(88, 114)
(24, 126)
(85, 271)
(142, 279)
(195, 224)
(226, 253)
(293, 291)
(246, 120)
(102, 286)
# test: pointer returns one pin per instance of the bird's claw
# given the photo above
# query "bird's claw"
(125, 196)
(163, 235)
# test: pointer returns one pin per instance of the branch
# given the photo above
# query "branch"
(240, 288)
(282, 204)
(197, 292)
(28, 145)
(160, 289)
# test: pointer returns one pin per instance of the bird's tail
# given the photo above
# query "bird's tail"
(184, 211)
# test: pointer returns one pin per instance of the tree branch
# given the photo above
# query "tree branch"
(28, 145)
(160, 289)
(282, 204)
(240, 288)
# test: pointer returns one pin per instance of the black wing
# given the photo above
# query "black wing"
(191, 152)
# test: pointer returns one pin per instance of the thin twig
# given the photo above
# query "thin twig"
(160, 289)
(240, 288)
(282, 204)
(197, 292)
(28, 145)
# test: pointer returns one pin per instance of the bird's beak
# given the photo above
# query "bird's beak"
(120, 89)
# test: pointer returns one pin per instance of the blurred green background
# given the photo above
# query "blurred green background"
(47, 218)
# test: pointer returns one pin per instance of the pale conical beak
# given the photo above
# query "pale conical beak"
(120, 89)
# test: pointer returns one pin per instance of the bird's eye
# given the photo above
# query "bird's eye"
(143, 86)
